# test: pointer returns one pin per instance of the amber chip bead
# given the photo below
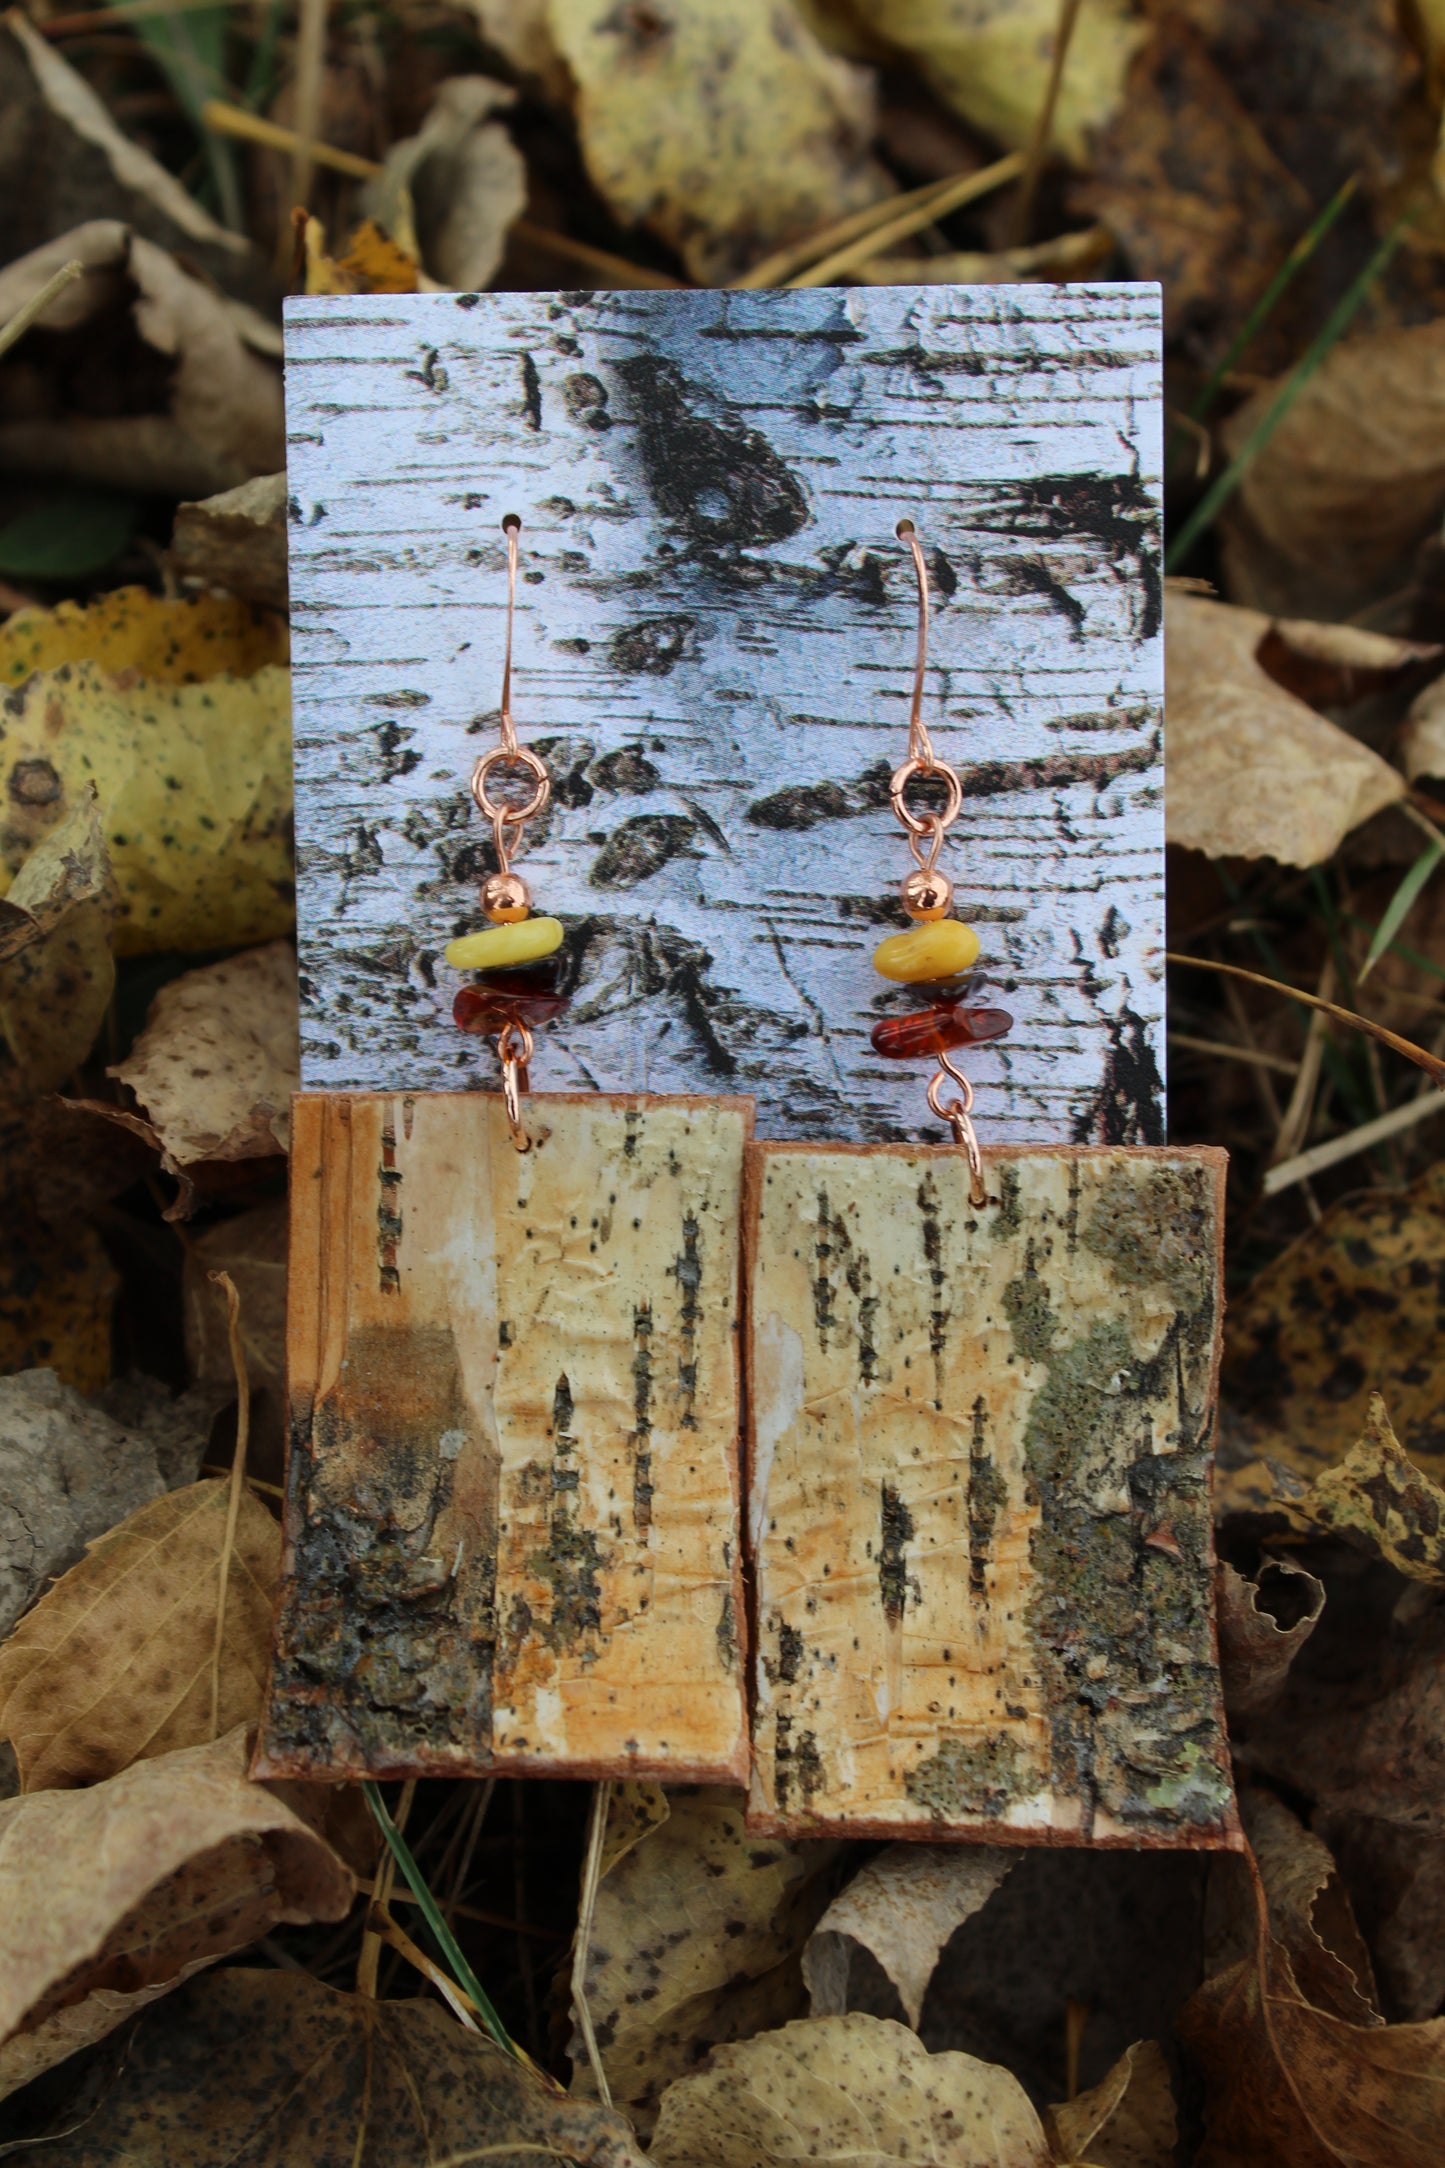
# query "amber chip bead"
(937, 1031)
(508, 997)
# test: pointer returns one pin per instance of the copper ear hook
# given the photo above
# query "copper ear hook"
(922, 760)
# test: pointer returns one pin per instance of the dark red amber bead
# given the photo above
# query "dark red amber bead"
(937, 1031)
(506, 997)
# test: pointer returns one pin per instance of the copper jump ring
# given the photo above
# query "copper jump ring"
(958, 1115)
(514, 1049)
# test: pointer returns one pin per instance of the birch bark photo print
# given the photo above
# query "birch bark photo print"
(714, 651)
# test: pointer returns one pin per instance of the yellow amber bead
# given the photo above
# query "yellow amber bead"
(498, 945)
(936, 951)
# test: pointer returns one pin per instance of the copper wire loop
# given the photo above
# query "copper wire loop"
(957, 1113)
(514, 1048)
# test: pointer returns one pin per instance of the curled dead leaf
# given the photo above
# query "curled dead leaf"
(218, 1060)
(218, 418)
(450, 193)
(1396, 1881)
(111, 1896)
(1253, 772)
(1422, 747)
(118, 1660)
(237, 540)
(1127, 2120)
(1263, 1624)
(835, 2090)
(902, 1907)
(696, 1936)
(275, 2069)
(723, 125)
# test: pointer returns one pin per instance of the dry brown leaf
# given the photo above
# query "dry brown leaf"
(857, 2090)
(696, 1937)
(237, 541)
(1290, 2076)
(71, 99)
(1353, 478)
(113, 1895)
(1422, 747)
(990, 60)
(273, 2069)
(1256, 1645)
(114, 1664)
(456, 187)
(372, 262)
(1396, 1881)
(57, 1296)
(902, 1907)
(67, 1474)
(723, 125)
(218, 419)
(1127, 2120)
(131, 633)
(1355, 1307)
(57, 972)
(219, 1058)
(1252, 771)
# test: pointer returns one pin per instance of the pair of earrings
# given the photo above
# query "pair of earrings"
(873, 1478)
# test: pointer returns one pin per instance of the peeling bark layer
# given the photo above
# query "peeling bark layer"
(714, 654)
(978, 1495)
(512, 1495)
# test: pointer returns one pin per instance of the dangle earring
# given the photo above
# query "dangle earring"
(512, 1500)
(981, 1410)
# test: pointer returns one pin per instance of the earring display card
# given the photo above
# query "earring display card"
(513, 1481)
(979, 1495)
(714, 655)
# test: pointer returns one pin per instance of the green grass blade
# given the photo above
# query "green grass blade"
(1400, 905)
(1222, 488)
(1263, 308)
(446, 1941)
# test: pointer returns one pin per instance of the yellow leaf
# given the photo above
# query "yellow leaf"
(113, 1664)
(172, 641)
(723, 124)
(57, 1292)
(57, 973)
(112, 1896)
(194, 783)
(372, 264)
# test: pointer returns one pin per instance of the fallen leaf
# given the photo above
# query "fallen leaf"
(1422, 747)
(251, 1247)
(1127, 2120)
(372, 263)
(113, 1896)
(218, 1060)
(990, 61)
(1290, 2080)
(57, 1297)
(274, 2069)
(176, 1425)
(237, 541)
(696, 1937)
(57, 972)
(1259, 1640)
(114, 1664)
(131, 632)
(1253, 772)
(1396, 1882)
(1355, 1307)
(456, 186)
(71, 99)
(902, 1907)
(1353, 478)
(1309, 1911)
(206, 413)
(857, 2090)
(68, 1472)
(518, 30)
(195, 792)
(723, 125)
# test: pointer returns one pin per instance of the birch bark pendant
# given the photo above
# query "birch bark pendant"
(981, 1407)
(512, 1513)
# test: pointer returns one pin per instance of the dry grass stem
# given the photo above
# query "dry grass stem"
(1430, 1063)
(1251, 1056)
(227, 1286)
(310, 74)
(1294, 1125)
(1038, 149)
(1363, 1139)
(20, 322)
(369, 1959)
(965, 189)
(383, 1928)
(591, 1876)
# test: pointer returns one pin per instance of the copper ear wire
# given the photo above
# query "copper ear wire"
(922, 760)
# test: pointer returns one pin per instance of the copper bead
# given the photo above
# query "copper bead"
(927, 894)
(505, 899)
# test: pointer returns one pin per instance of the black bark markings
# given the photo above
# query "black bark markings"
(713, 476)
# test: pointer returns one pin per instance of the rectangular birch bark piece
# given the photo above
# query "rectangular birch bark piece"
(511, 1527)
(714, 655)
(979, 1495)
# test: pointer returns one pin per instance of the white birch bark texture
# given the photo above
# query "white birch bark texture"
(714, 653)
(979, 1495)
(511, 1529)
